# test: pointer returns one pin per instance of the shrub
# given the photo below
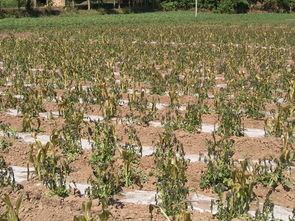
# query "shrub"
(233, 6)
(169, 6)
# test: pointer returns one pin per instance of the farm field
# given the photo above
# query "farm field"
(166, 114)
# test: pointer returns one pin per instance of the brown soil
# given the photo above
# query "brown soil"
(17, 35)
(38, 205)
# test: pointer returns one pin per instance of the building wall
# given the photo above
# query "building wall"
(58, 3)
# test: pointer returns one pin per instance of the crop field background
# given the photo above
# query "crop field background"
(156, 116)
(181, 18)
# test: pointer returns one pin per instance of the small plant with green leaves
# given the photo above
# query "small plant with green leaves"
(240, 194)
(255, 107)
(274, 125)
(137, 102)
(103, 215)
(48, 92)
(12, 212)
(229, 116)
(8, 131)
(87, 214)
(10, 101)
(171, 178)
(193, 118)
(130, 153)
(143, 113)
(158, 85)
(267, 212)
(51, 168)
(220, 165)
(276, 174)
(31, 123)
(105, 182)
(172, 120)
(4, 144)
(192, 121)
(32, 102)
(71, 132)
(6, 174)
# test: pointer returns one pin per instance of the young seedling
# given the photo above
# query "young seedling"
(12, 212)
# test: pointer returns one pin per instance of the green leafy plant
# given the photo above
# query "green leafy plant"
(8, 131)
(31, 123)
(240, 195)
(106, 178)
(50, 167)
(6, 174)
(130, 153)
(71, 132)
(12, 212)
(192, 120)
(171, 178)
(32, 102)
(4, 144)
(267, 212)
(229, 116)
(87, 214)
(274, 125)
(220, 165)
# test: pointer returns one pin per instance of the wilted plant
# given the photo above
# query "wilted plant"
(274, 125)
(31, 123)
(170, 171)
(172, 120)
(50, 168)
(109, 108)
(32, 102)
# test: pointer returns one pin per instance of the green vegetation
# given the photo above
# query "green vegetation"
(121, 67)
(171, 178)
(12, 212)
(51, 168)
(6, 174)
(11, 3)
(180, 18)
(87, 214)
